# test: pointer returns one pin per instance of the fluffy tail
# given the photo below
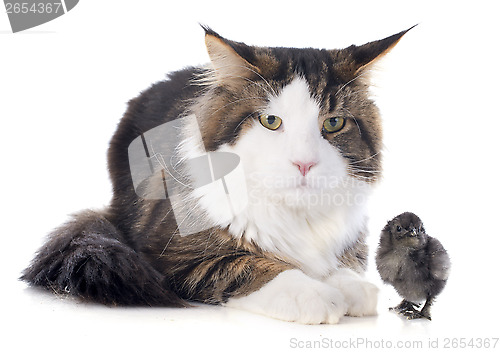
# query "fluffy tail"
(87, 258)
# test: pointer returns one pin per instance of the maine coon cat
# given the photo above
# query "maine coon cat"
(309, 140)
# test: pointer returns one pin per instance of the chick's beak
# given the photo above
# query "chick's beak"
(413, 233)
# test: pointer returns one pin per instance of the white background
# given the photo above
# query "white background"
(64, 86)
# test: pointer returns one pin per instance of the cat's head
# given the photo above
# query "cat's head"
(301, 120)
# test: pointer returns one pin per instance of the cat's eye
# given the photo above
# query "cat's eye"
(271, 122)
(333, 124)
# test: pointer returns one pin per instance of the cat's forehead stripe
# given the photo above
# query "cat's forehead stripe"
(295, 100)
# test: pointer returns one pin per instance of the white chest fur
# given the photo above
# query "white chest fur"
(311, 238)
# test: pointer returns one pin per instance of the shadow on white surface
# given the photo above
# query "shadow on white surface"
(40, 319)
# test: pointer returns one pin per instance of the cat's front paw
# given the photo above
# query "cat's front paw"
(361, 296)
(294, 296)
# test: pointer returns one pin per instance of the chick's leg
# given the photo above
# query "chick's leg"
(425, 312)
(405, 307)
(426, 309)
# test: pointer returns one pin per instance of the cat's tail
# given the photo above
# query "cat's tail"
(88, 258)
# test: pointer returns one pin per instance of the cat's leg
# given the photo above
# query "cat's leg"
(294, 296)
(87, 258)
(213, 267)
(360, 295)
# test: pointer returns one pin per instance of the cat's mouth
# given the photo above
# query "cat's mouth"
(315, 183)
(303, 183)
(288, 183)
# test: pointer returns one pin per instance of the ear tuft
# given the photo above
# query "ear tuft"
(228, 64)
(368, 53)
(209, 31)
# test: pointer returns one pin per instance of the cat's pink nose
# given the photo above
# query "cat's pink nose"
(304, 167)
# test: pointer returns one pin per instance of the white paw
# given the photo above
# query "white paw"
(294, 296)
(360, 295)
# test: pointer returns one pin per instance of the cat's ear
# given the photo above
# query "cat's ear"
(362, 57)
(230, 60)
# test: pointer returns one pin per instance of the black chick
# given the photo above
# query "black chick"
(413, 262)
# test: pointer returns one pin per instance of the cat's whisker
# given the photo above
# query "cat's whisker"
(361, 167)
(177, 168)
(360, 172)
(363, 178)
(367, 170)
(242, 120)
(166, 214)
(166, 246)
(363, 160)
(177, 163)
(261, 77)
(352, 116)
(349, 82)
(189, 212)
(363, 172)
(159, 158)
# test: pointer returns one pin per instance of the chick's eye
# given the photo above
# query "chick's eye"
(398, 229)
(333, 124)
(271, 122)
